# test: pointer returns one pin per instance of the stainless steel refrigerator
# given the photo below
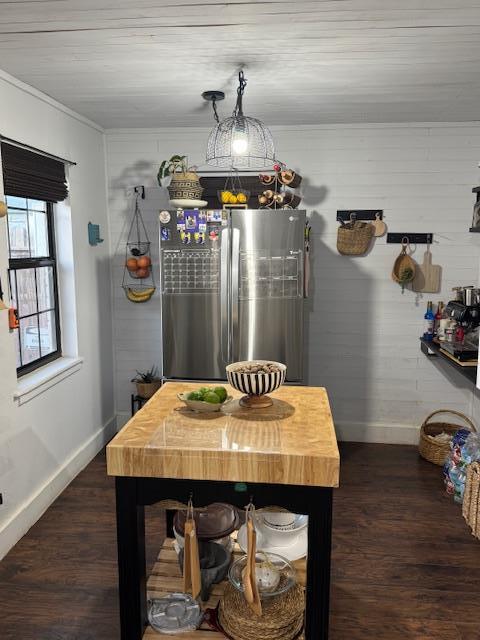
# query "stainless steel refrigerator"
(231, 289)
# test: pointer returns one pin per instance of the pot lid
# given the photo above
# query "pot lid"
(215, 521)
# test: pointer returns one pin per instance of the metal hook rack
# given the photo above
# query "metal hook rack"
(140, 190)
(359, 214)
(412, 238)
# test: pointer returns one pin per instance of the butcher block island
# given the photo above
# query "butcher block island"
(284, 455)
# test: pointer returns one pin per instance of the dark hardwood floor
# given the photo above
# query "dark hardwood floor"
(404, 564)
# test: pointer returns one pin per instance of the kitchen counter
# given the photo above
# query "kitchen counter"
(285, 455)
(291, 442)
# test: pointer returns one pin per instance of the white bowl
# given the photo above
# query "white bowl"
(279, 519)
(255, 384)
(185, 202)
(292, 549)
(200, 406)
(282, 536)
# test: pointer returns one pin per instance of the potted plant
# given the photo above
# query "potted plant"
(167, 167)
(147, 383)
(181, 180)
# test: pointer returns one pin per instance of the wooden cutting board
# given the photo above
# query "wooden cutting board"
(428, 276)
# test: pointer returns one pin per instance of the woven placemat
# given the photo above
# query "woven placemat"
(232, 630)
(281, 619)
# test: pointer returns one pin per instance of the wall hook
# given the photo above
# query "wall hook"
(140, 190)
(367, 215)
(412, 238)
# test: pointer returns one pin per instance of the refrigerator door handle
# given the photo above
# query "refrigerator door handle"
(225, 294)
(235, 292)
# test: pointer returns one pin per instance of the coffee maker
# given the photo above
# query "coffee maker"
(465, 311)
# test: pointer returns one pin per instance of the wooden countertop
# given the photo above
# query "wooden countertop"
(291, 442)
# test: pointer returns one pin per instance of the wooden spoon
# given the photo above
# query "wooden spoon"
(247, 572)
(187, 561)
(195, 561)
(256, 605)
(192, 580)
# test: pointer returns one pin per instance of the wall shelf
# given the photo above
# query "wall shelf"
(474, 229)
(432, 350)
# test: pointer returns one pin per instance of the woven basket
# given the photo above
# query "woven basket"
(146, 390)
(185, 186)
(471, 499)
(281, 619)
(353, 238)
(437, 452)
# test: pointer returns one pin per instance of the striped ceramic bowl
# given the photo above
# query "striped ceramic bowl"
(255, 384)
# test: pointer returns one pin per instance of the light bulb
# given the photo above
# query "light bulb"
(239, 143)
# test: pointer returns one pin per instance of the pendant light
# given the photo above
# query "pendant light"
(239, 142)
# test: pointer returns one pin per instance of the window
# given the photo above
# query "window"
(33, 281)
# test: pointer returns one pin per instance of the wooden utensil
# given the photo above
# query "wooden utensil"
(404, 267)
(256, 605)
(428, 276)
(192, 581)
(379, 226)
(247, 572)
(251, 594)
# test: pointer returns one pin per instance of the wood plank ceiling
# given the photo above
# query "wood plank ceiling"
(144, 63)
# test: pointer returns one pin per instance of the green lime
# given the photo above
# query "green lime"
(211, 397)
(193, 395)
(202, 392)
(221, 393)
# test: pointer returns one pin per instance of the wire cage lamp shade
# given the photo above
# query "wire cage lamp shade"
(240, 142)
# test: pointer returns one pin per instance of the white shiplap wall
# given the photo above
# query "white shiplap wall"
(363, 332)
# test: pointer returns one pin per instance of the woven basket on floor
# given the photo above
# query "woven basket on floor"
(437, 452)
(281, 619)
(353, 238)
(471, 499)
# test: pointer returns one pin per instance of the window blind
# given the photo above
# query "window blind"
(31, 175)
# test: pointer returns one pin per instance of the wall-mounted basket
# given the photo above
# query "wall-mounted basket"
(354, 238)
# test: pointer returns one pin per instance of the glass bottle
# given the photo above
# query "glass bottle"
(438, 316)
(429, 322)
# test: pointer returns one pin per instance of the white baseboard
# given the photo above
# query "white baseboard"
(350, 431)
(32, 509)
(377, 433)
(122, 418)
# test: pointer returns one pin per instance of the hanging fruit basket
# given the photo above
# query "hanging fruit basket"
(138, 248)
(138, 282)
(233, 193)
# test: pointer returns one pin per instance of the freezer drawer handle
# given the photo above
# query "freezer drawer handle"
(225, 295)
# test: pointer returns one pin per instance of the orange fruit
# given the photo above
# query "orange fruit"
(144, 262)
(132, 264)
(142, 273)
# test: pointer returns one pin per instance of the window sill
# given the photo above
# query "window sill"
(39, 381)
